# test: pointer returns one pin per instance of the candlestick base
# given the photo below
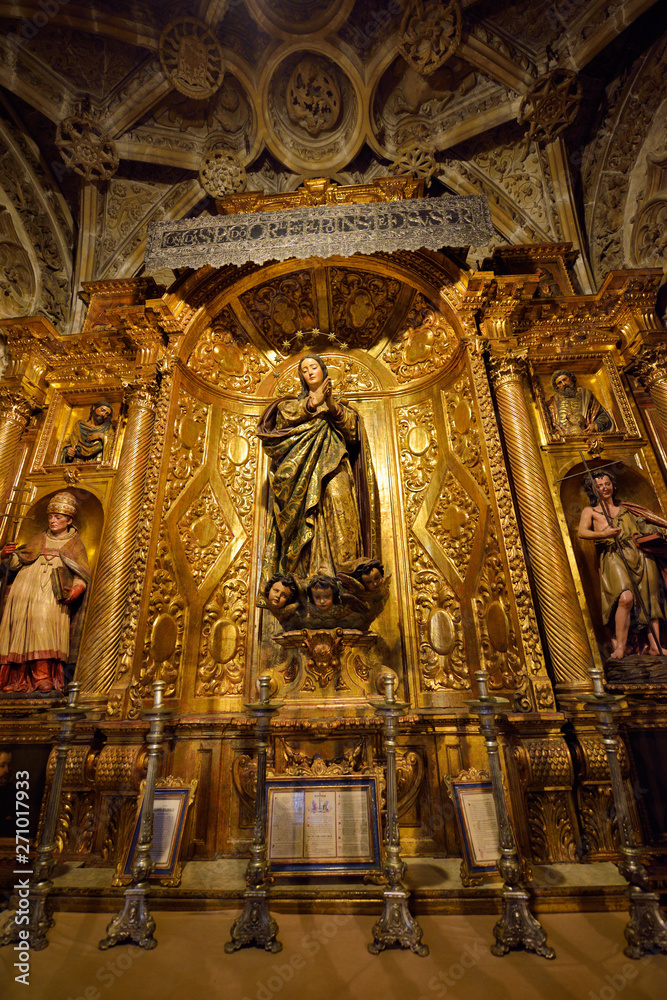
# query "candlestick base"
(397, 926)
(133, 924)
(255, 926)
(646, 933)
(518, 928)
(39, 923)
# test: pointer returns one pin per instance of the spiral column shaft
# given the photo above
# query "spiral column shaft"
(14, 415)
(561, 614)
(98, 656)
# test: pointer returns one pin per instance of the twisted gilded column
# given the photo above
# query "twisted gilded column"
(15, 412)
(563, 622)
(105, 616)
(650, 368)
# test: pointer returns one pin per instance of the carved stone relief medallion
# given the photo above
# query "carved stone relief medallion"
(191, 57)
(430, 33)
(313, 96)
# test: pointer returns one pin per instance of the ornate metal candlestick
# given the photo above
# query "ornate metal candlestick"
(647, 929)
(134, 922)
(517, 927)
(40, 919)
(256, 926)
(396, 926)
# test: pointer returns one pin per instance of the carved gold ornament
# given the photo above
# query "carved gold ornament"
(191, 58)
(86, 148)
(430, 34)
(313, 96)
(222, 173)
(551, 105)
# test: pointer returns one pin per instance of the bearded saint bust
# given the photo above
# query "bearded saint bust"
(574, 409)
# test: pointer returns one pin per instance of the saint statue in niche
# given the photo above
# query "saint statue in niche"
(40, 626)
(574, 409)
(90, 440)
(624, 534)
(322, 494)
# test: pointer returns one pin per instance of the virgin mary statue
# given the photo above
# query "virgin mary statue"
(322, 495)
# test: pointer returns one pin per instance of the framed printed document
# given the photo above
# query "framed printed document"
(472, 795)
(323, 825)
(170, 806)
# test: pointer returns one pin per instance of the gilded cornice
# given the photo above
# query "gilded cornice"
(322, 191)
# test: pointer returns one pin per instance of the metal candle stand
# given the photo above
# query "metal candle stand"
(647, 930)
(517, 927)
(256, 926)
(396, 926)
(40, 919)
(134, 922)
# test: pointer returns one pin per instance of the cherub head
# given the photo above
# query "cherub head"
(370, 574)
(280, 591)
(323, 592)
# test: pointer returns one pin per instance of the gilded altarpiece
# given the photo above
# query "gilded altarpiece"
(188, 374)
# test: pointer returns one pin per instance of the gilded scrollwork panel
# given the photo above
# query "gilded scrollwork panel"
(224, 356)
(237, 462)
(436, 607)
(164, 632)
(362, 303)
(494, 621)
(187, 445)
(453, 522)
(426, 343)
(463, 431)
(283, 306)
(224, 633)
(204, 532)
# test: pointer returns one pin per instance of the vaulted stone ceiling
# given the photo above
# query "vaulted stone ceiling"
(114, 114)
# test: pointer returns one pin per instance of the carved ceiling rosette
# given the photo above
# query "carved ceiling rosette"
(550, 105)
(312, 107)
(430, 34)
(86, 148)
(222, 173)
(191, 57)
(415, 159)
